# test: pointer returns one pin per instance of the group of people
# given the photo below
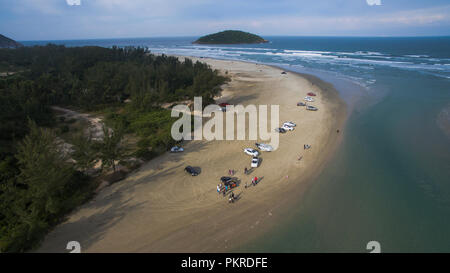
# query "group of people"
(222, 189)
(232, 172)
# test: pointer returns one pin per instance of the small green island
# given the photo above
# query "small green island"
(231, 37)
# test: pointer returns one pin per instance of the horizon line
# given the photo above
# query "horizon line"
(194, 36)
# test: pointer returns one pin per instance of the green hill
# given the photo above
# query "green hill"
(231, 37)
(6, 42)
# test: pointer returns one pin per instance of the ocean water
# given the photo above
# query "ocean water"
(389, 181)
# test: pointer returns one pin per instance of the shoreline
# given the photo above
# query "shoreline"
(159, 209)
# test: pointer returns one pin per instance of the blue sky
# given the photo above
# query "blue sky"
(56, 19)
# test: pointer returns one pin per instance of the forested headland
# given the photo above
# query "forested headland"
(231, 37)
(6, 42)
(40, 182)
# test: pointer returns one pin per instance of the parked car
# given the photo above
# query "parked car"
(280, 130)
(255, 162)
(264, 147)
(289, 123)
(251, 152)
(224, 179)
(223, 106)
(301, 104)
(230, 182)
(309, 99)
(176, 149)
(311, 94)
(191, 170)
(287, 128)
(311, 108)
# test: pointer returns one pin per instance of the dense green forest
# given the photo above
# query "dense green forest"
(38, 182)
(231, 37)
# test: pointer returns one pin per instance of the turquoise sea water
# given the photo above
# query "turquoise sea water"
(389, 181)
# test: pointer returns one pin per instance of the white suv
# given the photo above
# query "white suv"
(287, 128)
(289, 123)
(255, 162)
(251, 152)
(264, 147)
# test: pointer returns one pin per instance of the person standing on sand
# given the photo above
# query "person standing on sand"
(254, 181)
(232, 197)
(245, 170)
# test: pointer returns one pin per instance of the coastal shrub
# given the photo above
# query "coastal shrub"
(64, 129)
(46, 188)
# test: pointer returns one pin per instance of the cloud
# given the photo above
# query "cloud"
(373, 2)
(51, 19)
(378, 24)
(47, 7)
(73, 2)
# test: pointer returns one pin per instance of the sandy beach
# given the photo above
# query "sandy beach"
(159, 208)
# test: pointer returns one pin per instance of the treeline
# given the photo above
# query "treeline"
(89, 77)
(38, 185)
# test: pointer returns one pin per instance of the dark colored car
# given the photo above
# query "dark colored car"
(191, 170)
(231, 182)
(280, 130)
(226, 179)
